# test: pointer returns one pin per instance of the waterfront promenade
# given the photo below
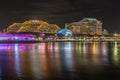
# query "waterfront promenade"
(37, 40)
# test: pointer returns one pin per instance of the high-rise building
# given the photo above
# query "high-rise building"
(86, 26)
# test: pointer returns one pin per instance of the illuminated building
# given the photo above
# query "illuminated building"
(64, 33)
(86, 26)
(32, 26)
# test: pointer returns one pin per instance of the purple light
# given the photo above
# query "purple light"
(11, 47)
(4, 36)
(42, 34)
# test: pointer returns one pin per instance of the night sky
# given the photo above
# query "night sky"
(61, 11)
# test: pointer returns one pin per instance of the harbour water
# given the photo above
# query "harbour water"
(60, 61)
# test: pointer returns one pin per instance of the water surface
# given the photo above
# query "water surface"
(60, 61)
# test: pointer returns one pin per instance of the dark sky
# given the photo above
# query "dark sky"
(61, 11)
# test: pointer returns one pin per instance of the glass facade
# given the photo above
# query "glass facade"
(64, 33)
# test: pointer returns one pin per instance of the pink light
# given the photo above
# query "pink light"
(11, 47)
(4, 36)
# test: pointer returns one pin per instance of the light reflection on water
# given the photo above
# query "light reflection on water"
(60, 60)
(17, 63)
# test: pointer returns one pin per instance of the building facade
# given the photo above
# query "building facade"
(36, 26)
(86, 26)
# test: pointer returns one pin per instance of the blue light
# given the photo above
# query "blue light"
(64, 33)
(17, 61)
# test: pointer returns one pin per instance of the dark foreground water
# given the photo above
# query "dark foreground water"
(60, 61)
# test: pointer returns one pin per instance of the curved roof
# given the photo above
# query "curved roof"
(64, 32)
(32, 26)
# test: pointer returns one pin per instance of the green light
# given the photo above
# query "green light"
(115, 48)
(80, 49)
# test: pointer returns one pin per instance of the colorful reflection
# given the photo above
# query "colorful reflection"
(6, 46)
(44, 58)
(11, 47)
(56, 47)
(51, 47)
(0, 69)
(34, 59)
(55, 60)
(66, 56)
(115, 49)
(68, 49)
(95, 57)
(43, 48)
(95, 48)
(80, 48)
(93, 51)
(17, 61)
(85, 48)
(104, 49)
(116, 57)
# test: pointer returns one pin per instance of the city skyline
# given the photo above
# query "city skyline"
(60, 12)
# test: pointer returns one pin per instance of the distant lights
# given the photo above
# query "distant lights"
(35, 20)
(92, 19)
(115, 34)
